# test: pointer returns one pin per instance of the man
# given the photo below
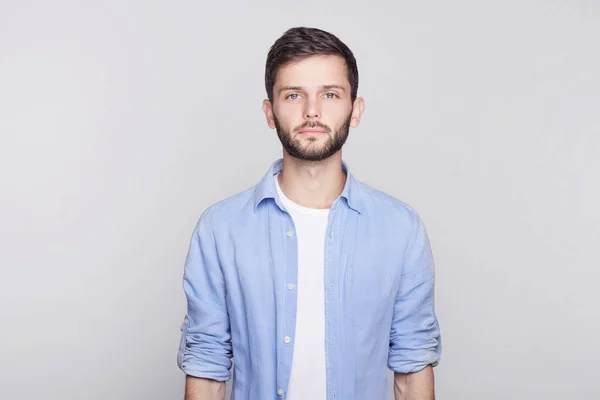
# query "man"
(311, 280)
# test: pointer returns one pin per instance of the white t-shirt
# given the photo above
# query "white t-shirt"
(308, 376)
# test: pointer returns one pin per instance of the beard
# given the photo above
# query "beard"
(312, 151)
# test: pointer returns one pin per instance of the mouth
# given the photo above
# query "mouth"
(312, 132)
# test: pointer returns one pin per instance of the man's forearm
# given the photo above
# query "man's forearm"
(203, 389)
(414, 386)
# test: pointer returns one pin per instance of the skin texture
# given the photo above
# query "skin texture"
(414, 386)
(203, 389)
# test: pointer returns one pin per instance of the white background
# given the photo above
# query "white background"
(121, 122)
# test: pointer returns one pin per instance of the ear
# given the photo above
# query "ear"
(357, 111)
(268, 110)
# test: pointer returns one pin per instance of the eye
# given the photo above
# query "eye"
(331, 95)
(292, 96)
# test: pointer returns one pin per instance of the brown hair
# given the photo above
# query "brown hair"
(299, 43)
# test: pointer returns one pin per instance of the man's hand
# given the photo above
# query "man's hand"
(414, 386)
(203, 389)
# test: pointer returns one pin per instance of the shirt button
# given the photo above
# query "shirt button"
(289, 234)
(287, 339)
(280, 392)
(290, 286)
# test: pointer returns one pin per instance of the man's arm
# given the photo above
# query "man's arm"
(205, 349)
(203, 389)
(415, 343)
(414, 386)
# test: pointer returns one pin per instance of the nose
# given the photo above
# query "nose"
(312, 110)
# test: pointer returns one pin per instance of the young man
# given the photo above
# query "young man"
(313, 281)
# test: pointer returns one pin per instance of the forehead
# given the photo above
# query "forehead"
(313, 71)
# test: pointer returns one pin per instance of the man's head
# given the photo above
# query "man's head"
(311, 80)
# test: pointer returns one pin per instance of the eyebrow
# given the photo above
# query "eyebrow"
(324, 87)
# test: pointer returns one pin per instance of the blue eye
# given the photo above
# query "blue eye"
(292, 96)
(331, 95)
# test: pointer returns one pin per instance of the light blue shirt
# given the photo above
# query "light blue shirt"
(240, 283)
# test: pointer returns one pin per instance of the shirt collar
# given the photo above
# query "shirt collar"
(266, 187)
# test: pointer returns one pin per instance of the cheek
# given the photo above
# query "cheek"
(289, 110)
(289, 116)
(337, 113)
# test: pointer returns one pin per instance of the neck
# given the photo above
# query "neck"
(312, 184)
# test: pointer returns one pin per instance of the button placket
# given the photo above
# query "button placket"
(288, 325)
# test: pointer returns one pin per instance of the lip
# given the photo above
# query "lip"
(312, 131)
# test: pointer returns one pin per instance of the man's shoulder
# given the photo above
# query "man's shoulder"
(232, 209)
(383, 204)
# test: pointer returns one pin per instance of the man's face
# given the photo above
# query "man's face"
(312, 108)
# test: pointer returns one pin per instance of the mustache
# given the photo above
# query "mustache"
(312, 124)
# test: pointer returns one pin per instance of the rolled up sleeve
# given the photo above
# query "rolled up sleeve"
(415, 340)
(205, 347)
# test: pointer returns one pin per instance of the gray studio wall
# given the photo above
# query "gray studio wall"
(121, 122)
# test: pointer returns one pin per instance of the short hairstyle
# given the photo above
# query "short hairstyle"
(299, 43)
